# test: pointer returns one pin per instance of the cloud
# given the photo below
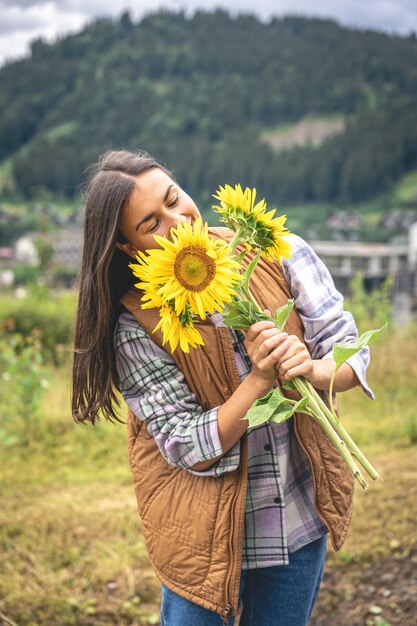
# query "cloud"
(25, 20)
(22, 23)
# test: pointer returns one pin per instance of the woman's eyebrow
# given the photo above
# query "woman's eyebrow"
(150, 215)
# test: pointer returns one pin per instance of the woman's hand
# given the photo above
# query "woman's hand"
(293, 359)
(263, 343)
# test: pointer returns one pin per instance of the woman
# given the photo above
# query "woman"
(229, 517)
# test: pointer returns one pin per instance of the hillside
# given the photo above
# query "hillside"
(202, 94)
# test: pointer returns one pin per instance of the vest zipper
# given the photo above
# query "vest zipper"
(225, 614)
(227, 609)
(224, 342)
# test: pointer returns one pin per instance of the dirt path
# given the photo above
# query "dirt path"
(380, 593)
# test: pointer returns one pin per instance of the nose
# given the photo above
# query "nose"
(174, 220)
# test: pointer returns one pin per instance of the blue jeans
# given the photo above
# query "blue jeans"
(283, 595)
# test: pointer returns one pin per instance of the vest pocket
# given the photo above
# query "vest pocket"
(179, 525)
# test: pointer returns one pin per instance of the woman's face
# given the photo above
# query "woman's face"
(156, 205)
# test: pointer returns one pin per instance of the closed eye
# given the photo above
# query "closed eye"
(156, 222)
(155, 225)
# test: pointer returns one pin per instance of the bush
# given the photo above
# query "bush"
(64, 276)
(370, 310)
(25, 274)
(22, 383)
(49, 315)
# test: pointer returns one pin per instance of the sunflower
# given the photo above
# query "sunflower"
(252, 223)
(176, 332)
(190, 275)
(175, 329)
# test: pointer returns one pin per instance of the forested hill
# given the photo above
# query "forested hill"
(202, 93)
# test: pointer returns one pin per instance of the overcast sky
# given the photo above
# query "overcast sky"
(24, 20)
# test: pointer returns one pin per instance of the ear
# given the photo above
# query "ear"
(127, 248)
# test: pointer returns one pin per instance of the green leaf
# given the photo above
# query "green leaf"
(287, 410)
(238, 322)
(342, 351)
(265, 399)
(238, 307)
(276, 399)
(261, 411)
(258, 414)
(283, 313)
(240, 314)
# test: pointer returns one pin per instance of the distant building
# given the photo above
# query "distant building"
(6, 254)
(68, 245)
(376, 261)
(398, 220)
(344, 220)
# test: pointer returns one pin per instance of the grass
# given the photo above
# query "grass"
(406, 188)
(309, 130)
(70, 537)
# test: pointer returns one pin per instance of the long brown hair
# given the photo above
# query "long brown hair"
(104, 277)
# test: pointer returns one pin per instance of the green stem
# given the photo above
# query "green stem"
(319, 415)
(342, 432)
(251, 267)
(236, 240)
(250, 297)
(331, 392)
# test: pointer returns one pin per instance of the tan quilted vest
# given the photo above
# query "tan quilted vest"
(192, 525)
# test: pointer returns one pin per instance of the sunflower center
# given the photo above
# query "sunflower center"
(194, 269)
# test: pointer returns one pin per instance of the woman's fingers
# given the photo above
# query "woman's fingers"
(294, 369)
(254, 330)
(269, 340)
(266, 356)
(273, 352)
(290, 347)
(295, 361)
(263, 342)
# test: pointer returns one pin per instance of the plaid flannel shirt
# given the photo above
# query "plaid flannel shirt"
(280, 516)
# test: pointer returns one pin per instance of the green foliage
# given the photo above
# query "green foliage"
(184, 88)
(50, 316)
(274, 407)
(343, 351)
(45, 252)
(12, 226)
(241, 314)
(64, 275)
(410, 429)
(22, 382)
(369, 309)
(282, 314)
(25, 274)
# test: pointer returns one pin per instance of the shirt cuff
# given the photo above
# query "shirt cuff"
(207, 445)
(358, 362)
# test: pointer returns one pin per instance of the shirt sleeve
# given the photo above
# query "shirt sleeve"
(155, 390)
(320, 307)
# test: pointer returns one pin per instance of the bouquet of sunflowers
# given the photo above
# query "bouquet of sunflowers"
(194, 275)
